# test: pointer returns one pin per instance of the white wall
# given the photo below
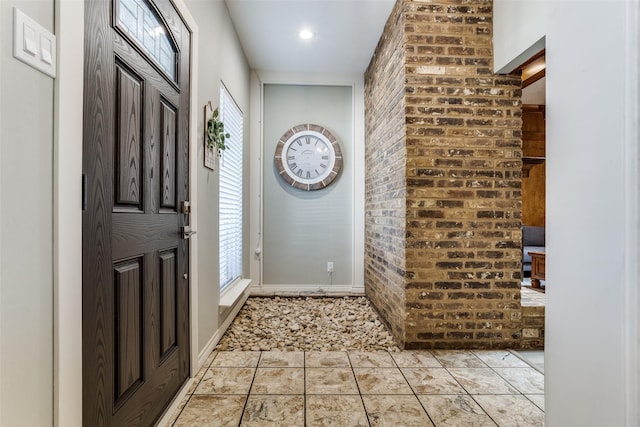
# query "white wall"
(67, 217)
(518, 31)
(305, 230)
(586, 148)
(26, 230)
(262, 161)
(591, 354)
(220, 58)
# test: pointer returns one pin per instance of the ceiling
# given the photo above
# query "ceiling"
(346, 33)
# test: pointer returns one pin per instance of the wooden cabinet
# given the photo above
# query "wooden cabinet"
(538, 270)
(533, 165)
(533, 132)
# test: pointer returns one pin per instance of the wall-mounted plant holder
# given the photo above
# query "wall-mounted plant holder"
(214, 136)
(209, 149)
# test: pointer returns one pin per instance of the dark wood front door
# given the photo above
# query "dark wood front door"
(135, 260)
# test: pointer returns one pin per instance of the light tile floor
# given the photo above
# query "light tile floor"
(410, 388)
(532, 298)
(534, 358)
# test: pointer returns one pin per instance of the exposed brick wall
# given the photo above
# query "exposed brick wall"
(385, 155)
(463, 179)
(532, 327)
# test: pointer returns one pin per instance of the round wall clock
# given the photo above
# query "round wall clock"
(308, 157)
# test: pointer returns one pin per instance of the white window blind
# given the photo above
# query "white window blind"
(230, 215)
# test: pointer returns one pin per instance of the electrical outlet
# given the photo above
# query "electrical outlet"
(330, 267)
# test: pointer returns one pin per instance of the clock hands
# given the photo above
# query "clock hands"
(309, 158)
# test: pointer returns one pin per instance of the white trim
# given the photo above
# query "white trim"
(256, 207)
(358, 183)
(293, 290)
(215, 339)
(67, 217)
(356, 82)
(194, 138)
(632, 190)
(68, 112)
(1, 284)
(233, 292)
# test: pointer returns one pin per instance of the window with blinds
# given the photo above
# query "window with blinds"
(230, 214)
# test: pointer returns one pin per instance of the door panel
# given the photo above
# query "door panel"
(168, 156)
(128, 323)
(168, 312)
(135, 262)
(128, 167)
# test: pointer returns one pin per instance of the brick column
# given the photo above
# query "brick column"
(462, 166)
(385, 183)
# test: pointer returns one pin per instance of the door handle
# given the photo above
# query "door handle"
(187, 232)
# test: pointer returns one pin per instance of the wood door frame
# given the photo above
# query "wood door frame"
(68, 110)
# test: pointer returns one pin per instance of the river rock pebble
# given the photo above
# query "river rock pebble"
(307, 324)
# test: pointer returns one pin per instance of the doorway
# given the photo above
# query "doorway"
(533, 298)
(135, 174)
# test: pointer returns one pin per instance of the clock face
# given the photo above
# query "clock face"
(308, 157)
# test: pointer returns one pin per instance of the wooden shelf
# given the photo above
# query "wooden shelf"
(528, 162)
(533, 160)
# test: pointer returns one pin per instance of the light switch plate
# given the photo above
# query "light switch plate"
(46, 48)
(33, 44)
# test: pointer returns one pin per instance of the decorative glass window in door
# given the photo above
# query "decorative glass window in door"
(141, 23)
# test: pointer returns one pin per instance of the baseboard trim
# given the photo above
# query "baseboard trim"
(215, 339)
(269, 290)
(206, 351)
(202, 358)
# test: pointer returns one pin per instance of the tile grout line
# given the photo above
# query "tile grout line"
(529, 363)
(246, 402)
(181, 410)
(508, 382)
(502, 394)
(463, 387)
(516, 388)
(471, 395)
(395, 364)
(413, 390)
(190, 395)
(366, 414)
(483, 410)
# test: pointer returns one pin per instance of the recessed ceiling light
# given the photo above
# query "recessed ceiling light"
(305, 34)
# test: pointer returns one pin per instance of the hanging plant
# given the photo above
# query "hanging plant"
(216, 136)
